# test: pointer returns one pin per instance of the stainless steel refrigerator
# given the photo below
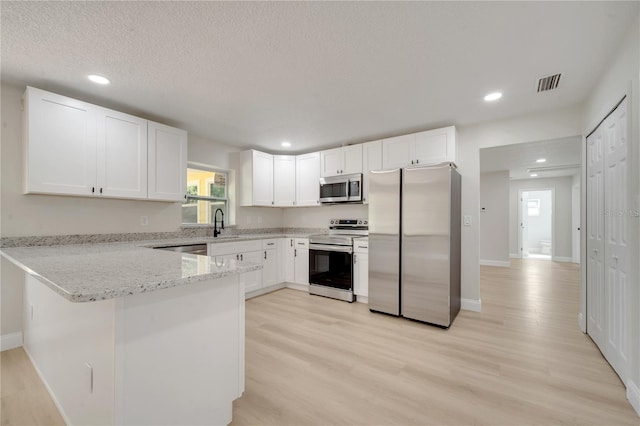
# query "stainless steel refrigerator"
(414, 243)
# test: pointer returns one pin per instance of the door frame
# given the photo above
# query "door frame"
(553, 218)
(576, 225)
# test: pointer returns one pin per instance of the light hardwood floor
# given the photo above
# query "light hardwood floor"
(523, 360)
(317, 361)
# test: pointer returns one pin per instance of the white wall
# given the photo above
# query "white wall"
(621, 78)
(494, 218)
(562, 240)
(545, 125)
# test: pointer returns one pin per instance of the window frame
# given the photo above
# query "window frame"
(208, 181)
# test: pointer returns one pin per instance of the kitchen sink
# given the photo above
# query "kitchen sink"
(200, 249)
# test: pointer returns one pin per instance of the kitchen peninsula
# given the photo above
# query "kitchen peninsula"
(124, 334)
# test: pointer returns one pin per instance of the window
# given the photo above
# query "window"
(207, 191)
(533, 207)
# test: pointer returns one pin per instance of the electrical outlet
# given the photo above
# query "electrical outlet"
(144, 220)
(467, 220)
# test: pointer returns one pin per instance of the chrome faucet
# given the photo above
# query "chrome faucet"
(216, 231)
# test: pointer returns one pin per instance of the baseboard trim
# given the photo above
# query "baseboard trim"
(499, 263)
(262, 291)
(299, 287)
(471, 305)
(10, 341)
(633, 395)
(362, 299)
(47, 387)
(562, 259)
(514, 256)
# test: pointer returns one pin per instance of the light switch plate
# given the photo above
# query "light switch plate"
(467, 220)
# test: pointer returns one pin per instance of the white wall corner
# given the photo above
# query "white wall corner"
(514, 256)
(299, 287)
(362, 299)
(474, 305)
(10, 341)
(582, 323)
(499, 263)
(633, 395)
(562, 259)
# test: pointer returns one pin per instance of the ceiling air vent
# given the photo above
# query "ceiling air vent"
(548, 83)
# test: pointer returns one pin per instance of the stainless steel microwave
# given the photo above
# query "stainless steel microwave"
(341, 189)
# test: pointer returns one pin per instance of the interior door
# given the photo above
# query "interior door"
(575, 223)
(595, 238)
(616, 235)
(524, 219)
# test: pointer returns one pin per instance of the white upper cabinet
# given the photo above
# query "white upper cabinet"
(308, 179)
(59, 144)
(397, 151)
(371, 160)
(338, 161)
(122, 155)
(76, 148)
(429, 147)
(256, 170)
(284, 180)
(436, 146)
(167, 162)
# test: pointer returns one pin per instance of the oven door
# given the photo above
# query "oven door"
(331, 266)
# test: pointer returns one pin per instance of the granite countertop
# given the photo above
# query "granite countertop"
(92, 272)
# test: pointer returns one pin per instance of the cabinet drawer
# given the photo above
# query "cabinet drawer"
(301, 243)
(270, 244)
(361, 245)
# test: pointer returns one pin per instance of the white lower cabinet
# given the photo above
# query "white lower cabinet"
(301, 260)
(289, 260)
(361, 267)
(242, 251)
(269, 263)
(282, 259)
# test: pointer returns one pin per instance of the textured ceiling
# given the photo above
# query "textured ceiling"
(318, 74)
(518, 158)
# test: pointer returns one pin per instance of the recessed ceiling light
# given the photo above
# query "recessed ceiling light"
(533, 175)
(541, 160)
(493, 96)
(99, 79)
(286, 144)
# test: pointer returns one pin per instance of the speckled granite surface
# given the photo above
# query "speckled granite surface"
(91, 272)
(187, 232)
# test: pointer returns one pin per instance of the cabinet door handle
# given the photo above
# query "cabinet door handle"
(417, 161)
(272, 203)
(185, 196)
(237, 257)
(295, 252)
(242, 258)
(265, 254)
(101, 190)
(354, 259)
(411, 161)
(93, 189)
(337, 172)
(292, 242)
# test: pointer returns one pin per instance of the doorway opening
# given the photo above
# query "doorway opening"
(536, 224)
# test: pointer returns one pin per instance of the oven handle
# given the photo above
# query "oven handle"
(328, 247)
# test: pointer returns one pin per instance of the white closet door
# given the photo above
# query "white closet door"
(595, 238)
(616, 235)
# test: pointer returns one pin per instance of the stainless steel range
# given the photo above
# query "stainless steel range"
(331, 259)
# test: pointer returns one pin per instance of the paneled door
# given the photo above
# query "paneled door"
(595, 238)
(616, 234)
(607, 234)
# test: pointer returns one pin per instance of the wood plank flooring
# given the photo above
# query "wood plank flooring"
(317, 361)
(523, 360)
